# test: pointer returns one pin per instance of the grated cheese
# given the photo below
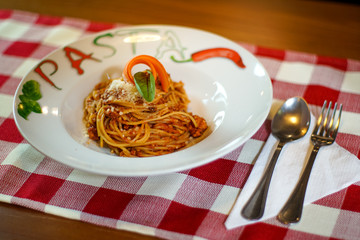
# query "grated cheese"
(122, 90)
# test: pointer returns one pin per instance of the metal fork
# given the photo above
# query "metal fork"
(324, 133)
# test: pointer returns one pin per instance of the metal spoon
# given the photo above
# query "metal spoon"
(290, 123)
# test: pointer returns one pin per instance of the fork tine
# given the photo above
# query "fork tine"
(315, 131)
(330, 127)
(324, 124)
(336, 127)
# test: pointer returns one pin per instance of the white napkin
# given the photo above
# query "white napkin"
(334, 169)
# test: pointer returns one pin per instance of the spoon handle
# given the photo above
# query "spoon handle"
(254, 208)
(292, 210)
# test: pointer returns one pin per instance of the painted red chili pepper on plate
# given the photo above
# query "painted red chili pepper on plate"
(212, 53)
(39, 71)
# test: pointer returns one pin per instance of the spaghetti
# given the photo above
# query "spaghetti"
(118, 117)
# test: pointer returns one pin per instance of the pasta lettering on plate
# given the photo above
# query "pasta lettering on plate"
(75, 63)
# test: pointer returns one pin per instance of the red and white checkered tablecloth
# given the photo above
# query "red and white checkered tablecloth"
(192, 204)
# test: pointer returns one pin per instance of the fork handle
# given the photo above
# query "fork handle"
(292, 210)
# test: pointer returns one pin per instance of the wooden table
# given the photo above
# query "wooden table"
(320, 27)
(323, 27)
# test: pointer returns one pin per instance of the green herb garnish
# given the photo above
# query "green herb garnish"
(145, 84)
(28, 100)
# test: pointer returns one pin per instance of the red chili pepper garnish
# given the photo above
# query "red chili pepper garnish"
(214, 52)
(156, 67)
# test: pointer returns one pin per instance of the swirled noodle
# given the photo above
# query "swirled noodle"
(116, 116)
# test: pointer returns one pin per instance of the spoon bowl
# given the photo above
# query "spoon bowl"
(292, 120)
(290, 123)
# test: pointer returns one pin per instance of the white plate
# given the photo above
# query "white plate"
(234, 101)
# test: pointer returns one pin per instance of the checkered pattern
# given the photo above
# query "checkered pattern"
(192, 204)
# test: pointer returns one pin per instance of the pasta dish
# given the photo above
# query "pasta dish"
(119, 113)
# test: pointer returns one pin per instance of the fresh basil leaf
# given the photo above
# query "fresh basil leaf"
(145, 84)
(23, 110)
(30, 104)
(31, 89)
